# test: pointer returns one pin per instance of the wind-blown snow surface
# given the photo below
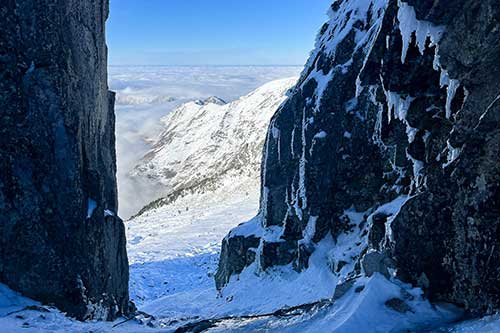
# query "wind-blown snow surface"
(145, 94)
(351, 314)
(356, 312)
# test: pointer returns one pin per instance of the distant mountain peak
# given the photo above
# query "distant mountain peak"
(211, 100)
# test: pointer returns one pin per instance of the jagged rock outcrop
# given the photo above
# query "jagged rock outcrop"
(60, 239)
(396, 116)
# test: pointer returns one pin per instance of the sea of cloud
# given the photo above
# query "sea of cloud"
(145, 94)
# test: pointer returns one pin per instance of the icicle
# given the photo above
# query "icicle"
(408, 24)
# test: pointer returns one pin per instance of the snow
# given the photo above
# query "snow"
(11, 301)
(277, 136)
(489, 324)
(192, 225)
(253, 227)
(265, 189)
(322, 81)
(392, 210)
(174, 249)
(364, 311)
(275, 285)
(211, 100)
(340, 25)
(318, 281)
(19, 314)
(452, 86)
(201, 299)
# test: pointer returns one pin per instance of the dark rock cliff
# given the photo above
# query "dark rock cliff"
(60, 239)
(396, 115)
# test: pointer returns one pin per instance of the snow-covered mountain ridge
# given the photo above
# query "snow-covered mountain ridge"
(206, 144)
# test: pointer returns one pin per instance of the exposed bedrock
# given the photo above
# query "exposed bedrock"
(396, 116)
(60, 239)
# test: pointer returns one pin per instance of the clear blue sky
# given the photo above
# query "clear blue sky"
(213, 32)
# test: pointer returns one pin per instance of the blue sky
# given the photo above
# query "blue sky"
(213, 32)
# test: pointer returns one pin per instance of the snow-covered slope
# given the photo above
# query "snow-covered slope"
(208, 144)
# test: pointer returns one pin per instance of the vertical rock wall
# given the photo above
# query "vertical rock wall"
(60, 239)
(396, 116)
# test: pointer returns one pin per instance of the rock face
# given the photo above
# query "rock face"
(396, 116)
(60, 240)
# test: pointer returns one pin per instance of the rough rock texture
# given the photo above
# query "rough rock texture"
(237, 256)
(60, 240)
(398, 107)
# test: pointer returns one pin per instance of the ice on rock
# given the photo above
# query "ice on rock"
(91, 206)
(108, 212)
(451, 91)
(310, 229)
(32, 68)
(453, 154)
(398, 105)
(320, 135)
(302, 163)
(408, 24)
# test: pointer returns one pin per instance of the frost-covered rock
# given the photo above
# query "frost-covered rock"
(390, 142)
(57, 160)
